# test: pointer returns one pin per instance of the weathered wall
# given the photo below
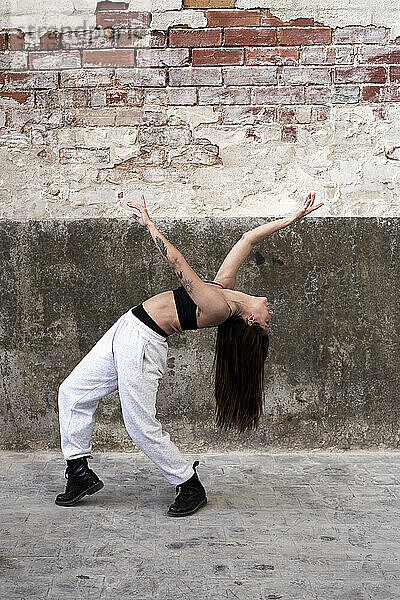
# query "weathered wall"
(332, 375)
(220, 111)
(214, 108)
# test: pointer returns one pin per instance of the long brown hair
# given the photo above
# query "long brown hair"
(240, 353)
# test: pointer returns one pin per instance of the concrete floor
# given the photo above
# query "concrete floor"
(312, 526)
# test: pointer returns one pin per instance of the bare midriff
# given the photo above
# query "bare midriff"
(162, 310)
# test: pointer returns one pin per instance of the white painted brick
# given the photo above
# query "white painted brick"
(303, 75)
(141, 77)
(86, 77)
(359, 35)
(32, 80)
(51, 59)
(14, 60)
(2, 118)
(224, 95)
(195, 76)
(182, 96)
(84, 156)
(331, 55)
(169, 57)
(249, 75)
(192, 18)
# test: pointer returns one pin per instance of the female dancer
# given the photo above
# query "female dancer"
(131, 357)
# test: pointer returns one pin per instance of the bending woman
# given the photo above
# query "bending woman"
(131, 357)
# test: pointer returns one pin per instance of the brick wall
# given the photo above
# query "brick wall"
(243, 67)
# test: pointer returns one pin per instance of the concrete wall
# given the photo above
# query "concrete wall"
(223, 112)
(332, 376)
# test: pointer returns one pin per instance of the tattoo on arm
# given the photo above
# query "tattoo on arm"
(163, 248)
(187, 284)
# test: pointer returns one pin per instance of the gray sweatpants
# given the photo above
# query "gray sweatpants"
(130, 357)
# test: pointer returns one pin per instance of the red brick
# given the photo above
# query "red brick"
(379, 93)
(233, 18)
(106, 5)
(217, 56)
(286, 115)
(116, 97)
(250, 36)
(19, 97)
(122, 19)
(49, 41)
(380, 55)
(278, 95)
(304, 36)
(359, 35)
(2, 79)
(2, 42)
(395, 74)
(57, 59)
(320, 113)
(381, 112)
(271, 56)
(289, 134)
(208, 4)
(108, 58)
(195, 37)
(16, 40)
(269, 20)
(360, 75)
(32, 80)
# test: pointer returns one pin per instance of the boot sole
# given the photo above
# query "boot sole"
(94, 488)
(189, 512)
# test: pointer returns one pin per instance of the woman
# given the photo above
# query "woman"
(131, 357)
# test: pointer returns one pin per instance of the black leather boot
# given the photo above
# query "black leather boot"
(191, 497)
(81, 481)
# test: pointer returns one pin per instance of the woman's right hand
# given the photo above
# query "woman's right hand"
(144, 218)
(307, 207)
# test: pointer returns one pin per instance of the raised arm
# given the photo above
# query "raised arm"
(260, 233)
(228, 270)
(208, 298)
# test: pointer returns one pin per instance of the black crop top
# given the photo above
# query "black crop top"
(186, 307)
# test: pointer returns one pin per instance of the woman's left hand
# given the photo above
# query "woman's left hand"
(307, 207)
(143, 218)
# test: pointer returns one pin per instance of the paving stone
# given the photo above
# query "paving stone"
(290, 526)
